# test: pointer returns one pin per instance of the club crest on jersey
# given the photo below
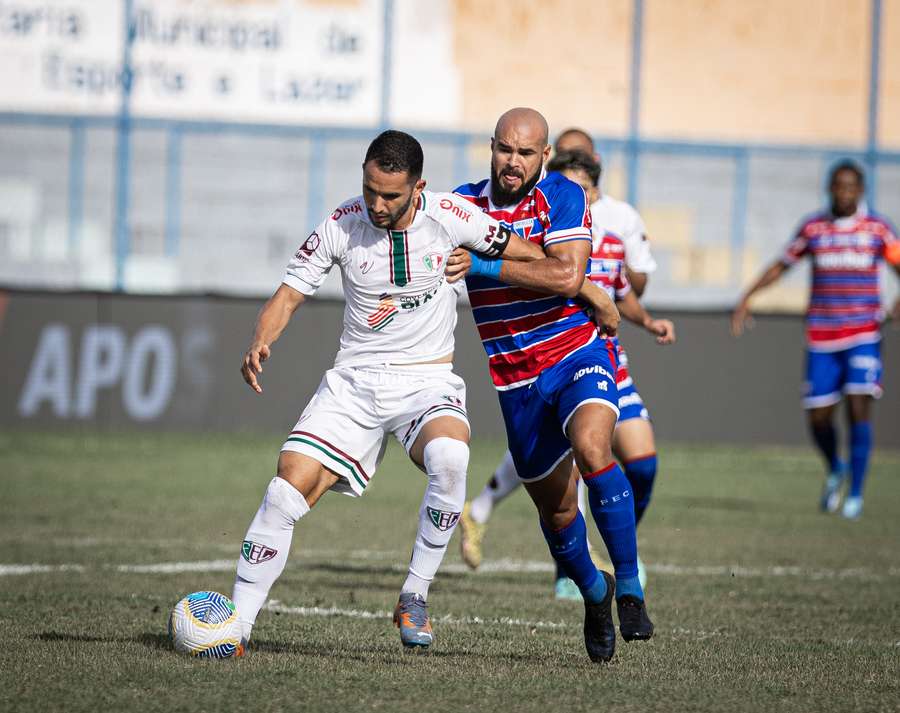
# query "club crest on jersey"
(440, 519)
(433, 262)
(523, 228)
(255, 553)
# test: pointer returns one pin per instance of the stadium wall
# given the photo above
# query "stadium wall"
(110, 362)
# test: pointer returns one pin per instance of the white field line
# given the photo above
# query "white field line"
(448, 619)
(488, 567)
(13, 569)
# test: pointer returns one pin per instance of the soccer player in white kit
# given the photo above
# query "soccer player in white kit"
(392, 374)
(633, 441)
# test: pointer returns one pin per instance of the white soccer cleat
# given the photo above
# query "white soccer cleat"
(852, 507)
(831, 493)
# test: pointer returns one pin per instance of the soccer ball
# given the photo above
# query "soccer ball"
(205, 624)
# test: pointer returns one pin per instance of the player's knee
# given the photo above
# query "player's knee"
(593, 453)
(819, 418)
(446, 462)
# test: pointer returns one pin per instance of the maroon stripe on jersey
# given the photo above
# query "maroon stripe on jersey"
(334, 448)
(527, 363)
(504, 328)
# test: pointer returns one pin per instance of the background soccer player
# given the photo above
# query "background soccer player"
(846, 244)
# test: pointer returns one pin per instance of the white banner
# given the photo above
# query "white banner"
(293, 61)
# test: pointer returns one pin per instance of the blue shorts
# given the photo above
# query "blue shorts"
(829, 375)
(536, 415)
(631, 405)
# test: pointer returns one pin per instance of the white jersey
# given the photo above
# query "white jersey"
(399, 307)
(620, 219)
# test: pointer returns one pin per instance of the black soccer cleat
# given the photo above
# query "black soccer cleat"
(599, 629)
(634, 624)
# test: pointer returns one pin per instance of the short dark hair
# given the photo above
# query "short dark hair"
(847, 165)
(576, 161)
(396, 152)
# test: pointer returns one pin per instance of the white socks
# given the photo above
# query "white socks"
(504, 481)
(446, 460)
(265, 549)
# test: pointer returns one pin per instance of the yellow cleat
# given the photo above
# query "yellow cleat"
(470, 535)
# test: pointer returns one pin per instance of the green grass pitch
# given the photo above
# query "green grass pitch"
(761, 602)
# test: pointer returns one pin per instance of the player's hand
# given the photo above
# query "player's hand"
(252, 364)
(741, 319)
(458, 265)
(664, 330)
(607, 319)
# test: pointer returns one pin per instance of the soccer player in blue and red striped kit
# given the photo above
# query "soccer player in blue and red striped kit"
(846, 244)
(555, 376)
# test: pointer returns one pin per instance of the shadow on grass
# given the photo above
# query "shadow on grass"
(386, 655)
(374, 652)
(150, 640)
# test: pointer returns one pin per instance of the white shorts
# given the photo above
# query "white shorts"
(345, 423)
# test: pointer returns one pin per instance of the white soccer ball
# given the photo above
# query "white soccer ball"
(205, 624)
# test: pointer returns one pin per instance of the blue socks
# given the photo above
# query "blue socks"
(568, 545)
(860, 446)
(641, 472)
(826, 439)
(612, 505)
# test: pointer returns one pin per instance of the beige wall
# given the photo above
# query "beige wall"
(741, 70)
(889, 96)
(567, 58)
(764, 70)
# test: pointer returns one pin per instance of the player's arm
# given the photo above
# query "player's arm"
(604, 309)
(270, 323)
(740, 317)
(638, 281)
(632, 310)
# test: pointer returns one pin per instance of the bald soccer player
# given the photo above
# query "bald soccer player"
(554, 373)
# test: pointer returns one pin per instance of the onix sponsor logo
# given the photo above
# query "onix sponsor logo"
(440, 519)
(596, 369)
(255, 553)
(346, 210)
(463, 215)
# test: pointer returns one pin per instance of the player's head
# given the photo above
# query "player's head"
(518, 150)
(574, 139)
(392, 178)
(580, 167)
(846, 185)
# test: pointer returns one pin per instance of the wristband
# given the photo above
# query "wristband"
(485, 266)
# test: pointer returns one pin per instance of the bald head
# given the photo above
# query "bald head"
(575, 140)
(518, 151)
(525, 122)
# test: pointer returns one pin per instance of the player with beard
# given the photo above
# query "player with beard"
(554, 375)
(617, 238)
(393, 373)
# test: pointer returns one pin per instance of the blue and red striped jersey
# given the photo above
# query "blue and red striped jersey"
(523, 331)
(844, 306)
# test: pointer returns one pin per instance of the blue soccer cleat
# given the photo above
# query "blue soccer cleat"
(831, 493)
(411, 617)
(852, 507)
(566, 589)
